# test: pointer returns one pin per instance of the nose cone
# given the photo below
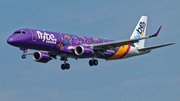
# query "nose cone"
(11, 40)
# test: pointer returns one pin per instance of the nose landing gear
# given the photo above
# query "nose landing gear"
(25, 50)
(23, 56)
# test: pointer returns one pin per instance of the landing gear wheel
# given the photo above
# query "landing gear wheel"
(23, 56)
(67, 66)
(63, 67)
(95, 62)
(91, 62)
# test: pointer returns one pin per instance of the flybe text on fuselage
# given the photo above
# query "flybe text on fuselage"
(140, 30)
(45, 37)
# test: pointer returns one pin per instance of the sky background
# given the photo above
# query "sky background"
(151, 77)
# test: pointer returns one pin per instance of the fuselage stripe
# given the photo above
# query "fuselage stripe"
(123, 50)
(126, 51)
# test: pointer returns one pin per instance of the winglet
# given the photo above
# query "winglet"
(156, 34)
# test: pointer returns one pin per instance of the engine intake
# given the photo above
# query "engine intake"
(41, 56)
(84, 51)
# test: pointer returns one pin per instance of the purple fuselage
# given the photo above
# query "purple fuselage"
(58, 43)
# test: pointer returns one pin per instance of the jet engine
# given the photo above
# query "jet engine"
(84, 51)
(41, 56)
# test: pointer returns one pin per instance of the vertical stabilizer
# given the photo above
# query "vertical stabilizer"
(140, 31)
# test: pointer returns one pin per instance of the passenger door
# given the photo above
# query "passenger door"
(34, 35)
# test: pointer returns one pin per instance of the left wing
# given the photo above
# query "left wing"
(113, 45)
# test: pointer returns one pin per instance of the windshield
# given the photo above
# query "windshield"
(19, 32)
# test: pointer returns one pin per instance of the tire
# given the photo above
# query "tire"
(90, 62)
(95, 62)
(67, 66)
(23, 56)
(63, 67)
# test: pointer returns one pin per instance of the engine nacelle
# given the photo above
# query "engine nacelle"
(84, 51)
(41, 56)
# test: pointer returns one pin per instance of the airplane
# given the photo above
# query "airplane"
(49, 45)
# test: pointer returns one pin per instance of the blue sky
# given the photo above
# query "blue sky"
(151, 77)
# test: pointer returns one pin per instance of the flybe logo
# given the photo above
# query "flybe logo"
(45, 37)
(141, 28)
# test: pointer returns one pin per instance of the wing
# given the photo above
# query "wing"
(113, 45)
(154, 47)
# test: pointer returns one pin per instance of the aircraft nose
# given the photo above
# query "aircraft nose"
(10, 40)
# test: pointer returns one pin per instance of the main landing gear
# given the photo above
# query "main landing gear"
(93, 62)
(65, 65)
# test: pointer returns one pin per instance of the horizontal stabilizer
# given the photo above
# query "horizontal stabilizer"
(154, 47)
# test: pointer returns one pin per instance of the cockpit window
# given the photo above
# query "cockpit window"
(19, 32)
(23, 32)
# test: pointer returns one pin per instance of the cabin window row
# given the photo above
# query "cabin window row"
(72, 39)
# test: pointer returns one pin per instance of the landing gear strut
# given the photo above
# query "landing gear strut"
(24, 51)
(65, 65)
(93, 62)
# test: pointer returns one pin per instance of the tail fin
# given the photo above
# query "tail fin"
(140, 31)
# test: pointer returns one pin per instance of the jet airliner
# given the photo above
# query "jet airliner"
(49, 45)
